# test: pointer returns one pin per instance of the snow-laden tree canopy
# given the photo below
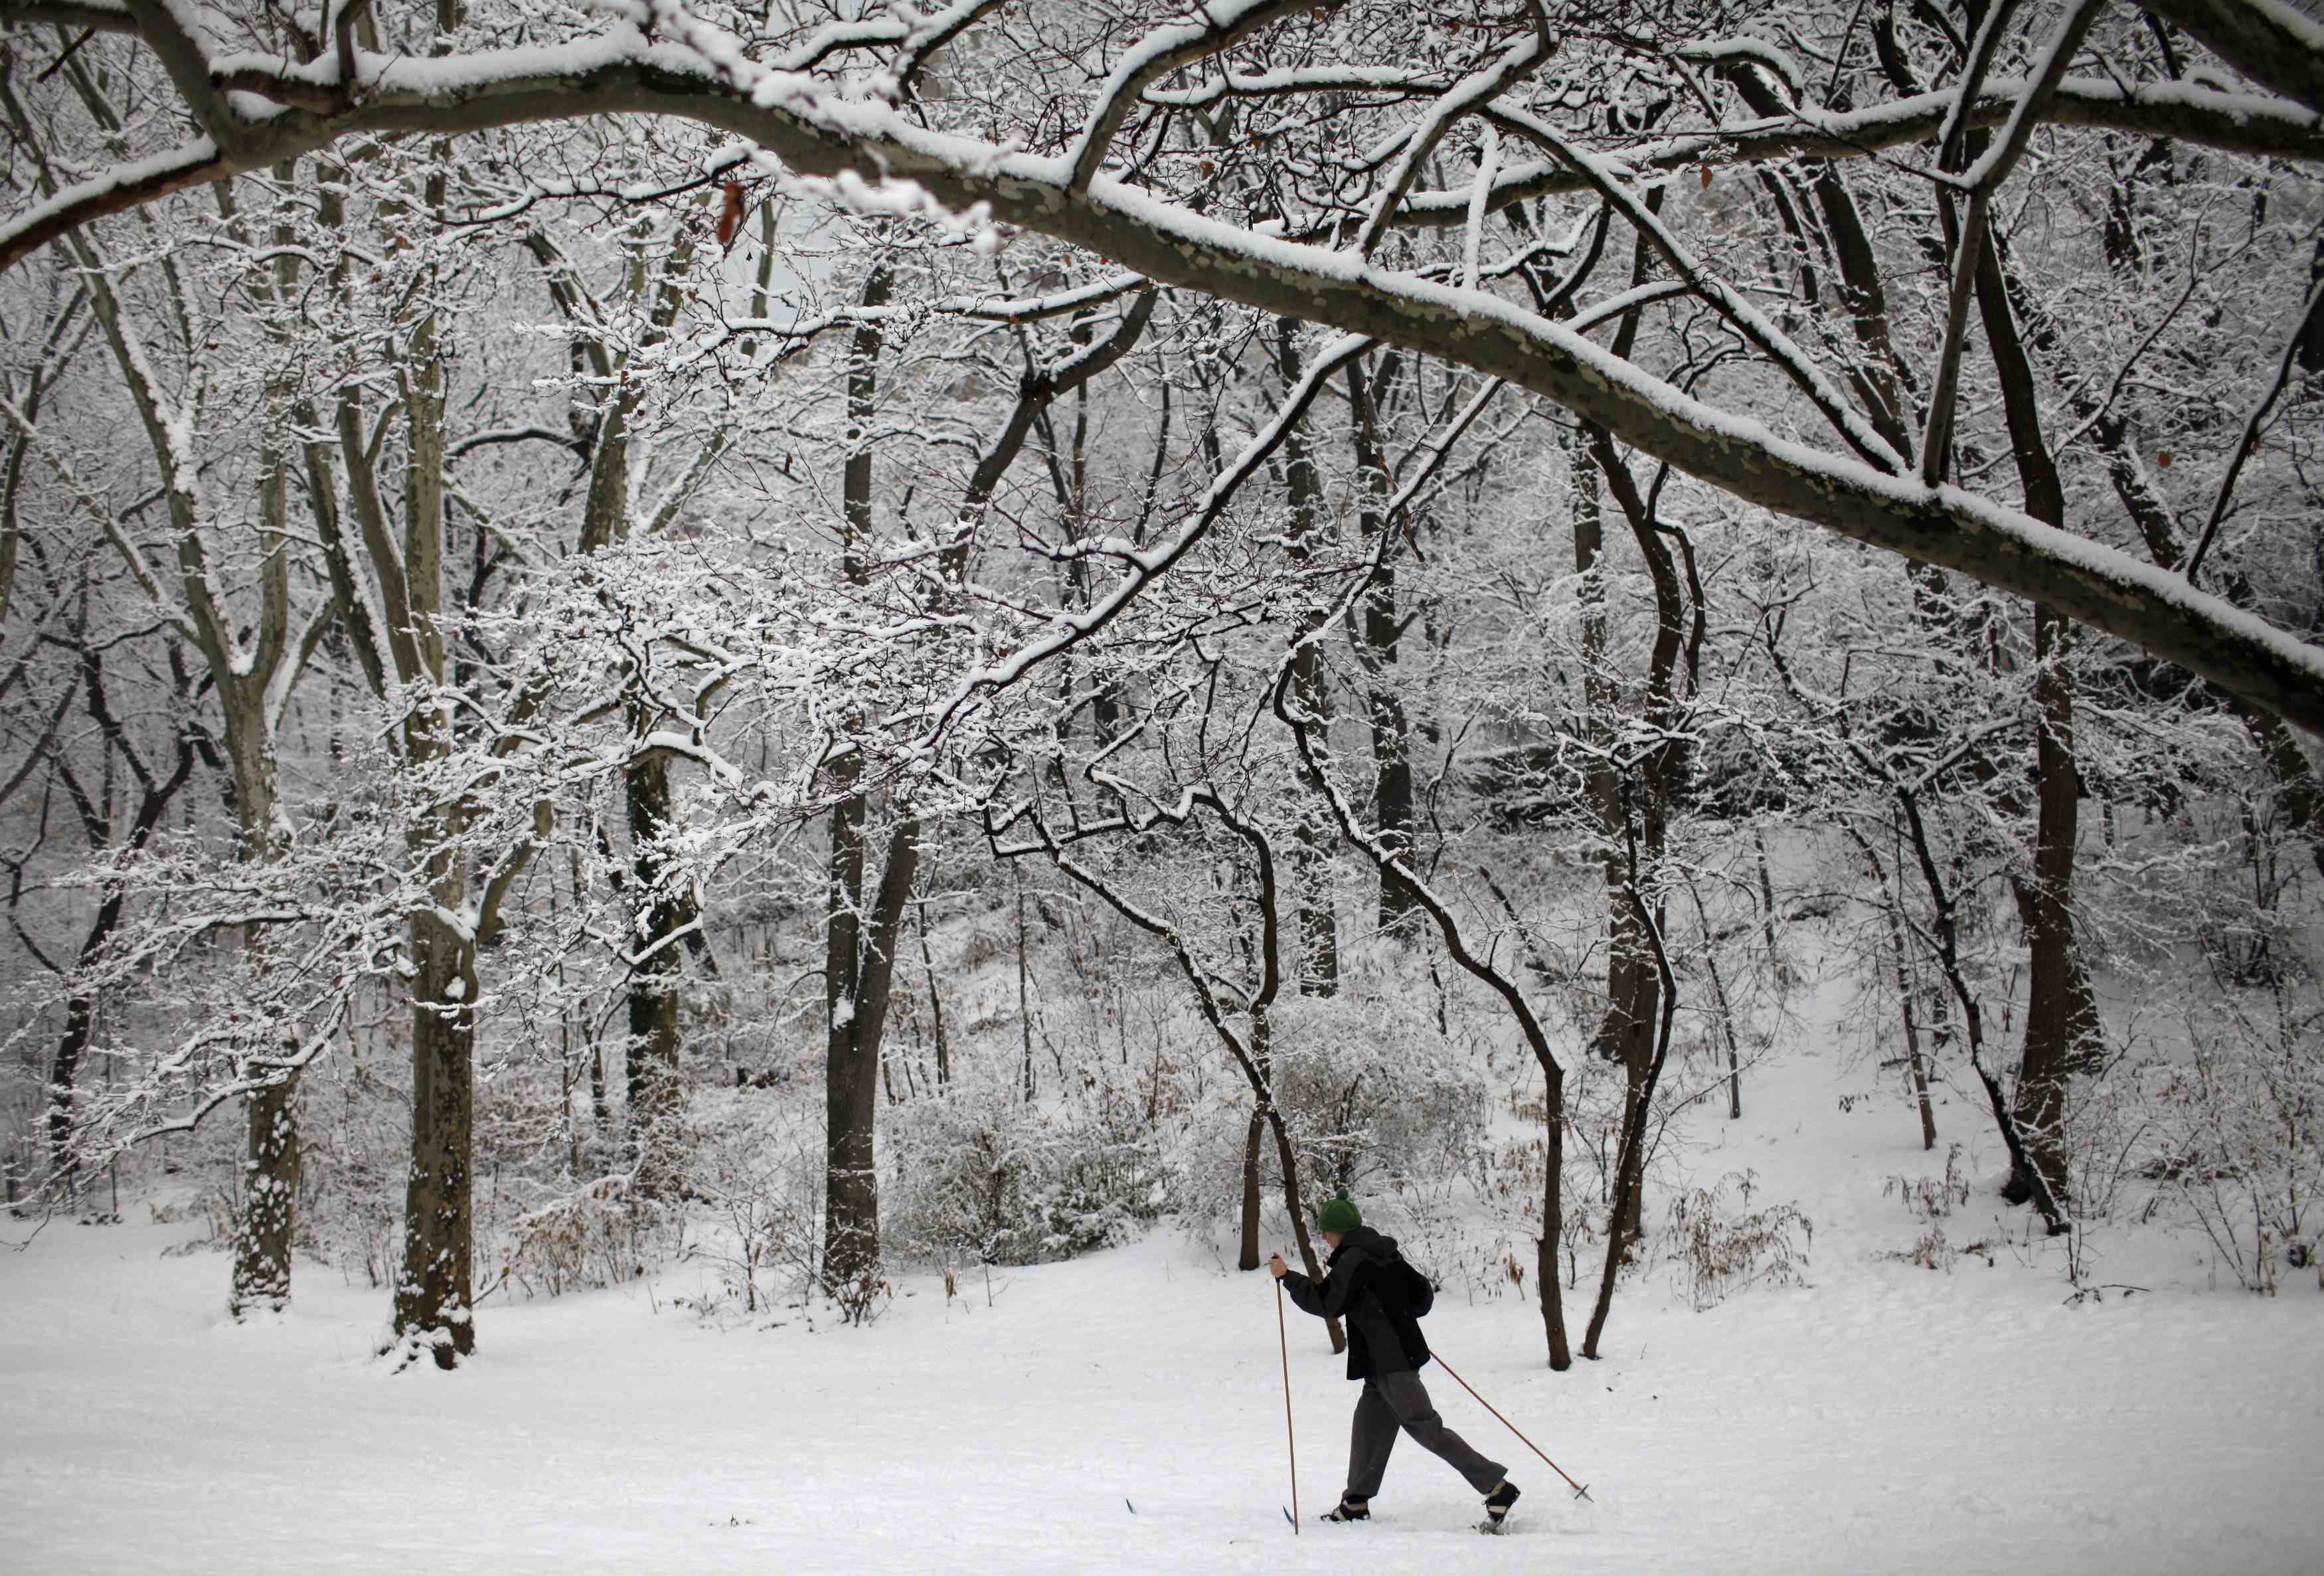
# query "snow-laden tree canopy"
(1272, 154)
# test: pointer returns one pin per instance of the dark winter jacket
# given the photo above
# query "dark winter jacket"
(1365, 1286)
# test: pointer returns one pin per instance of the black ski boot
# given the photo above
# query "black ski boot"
(1349, 1509)
(1496, 1507)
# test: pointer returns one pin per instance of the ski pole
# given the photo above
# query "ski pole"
(1283, 1338)
(1581, 1491)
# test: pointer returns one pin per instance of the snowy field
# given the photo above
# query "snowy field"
(1889, 1419)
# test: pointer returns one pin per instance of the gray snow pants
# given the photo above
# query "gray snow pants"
(1395, 1400)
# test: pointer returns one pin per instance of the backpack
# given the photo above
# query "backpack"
(1417, 1294)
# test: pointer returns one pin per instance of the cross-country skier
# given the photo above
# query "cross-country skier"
(1382, 1297)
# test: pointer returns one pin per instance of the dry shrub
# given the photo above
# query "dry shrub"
(1720, 1249)
(1932, 1198)
(596, 1237)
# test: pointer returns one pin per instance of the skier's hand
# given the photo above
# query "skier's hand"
(1275, 1266)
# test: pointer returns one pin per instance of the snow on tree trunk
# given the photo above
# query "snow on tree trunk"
(434, 1297)
(270, 1188)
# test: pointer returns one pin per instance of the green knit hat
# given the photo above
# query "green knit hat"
(1338, 1214)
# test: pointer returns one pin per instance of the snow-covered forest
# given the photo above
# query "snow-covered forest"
(738, 742)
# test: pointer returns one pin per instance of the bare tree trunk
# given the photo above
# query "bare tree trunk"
(1382, 631)
(270, 1188)
(1948, 951)
(1311, 882)
(1298, 1210)
(852, 1232)
(1248, 1257)
(260, 1279)
(1629, 1169)
(1552, 1220)
(434, 1297)
(1635, 808)
(851, 1186)
(861, 959)
(1719, 1002)
(242, 665)
(1024, 999)
(1775, 966)
(80, 1010)
(1914, 1059)
(851, 1247)
(1624, 1031)
(656, 1092)
(2060, 1013)
(936, 1001)
(1906, 991)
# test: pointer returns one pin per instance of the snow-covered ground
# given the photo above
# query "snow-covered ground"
(1888, 1419)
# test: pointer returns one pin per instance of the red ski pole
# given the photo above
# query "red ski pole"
(1581, 1491)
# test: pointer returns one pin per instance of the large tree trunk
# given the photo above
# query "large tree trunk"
(434, 1298)
(259, 1280)
(270, 1189)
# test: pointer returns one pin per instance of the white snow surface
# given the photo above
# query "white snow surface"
(1887, 1419)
